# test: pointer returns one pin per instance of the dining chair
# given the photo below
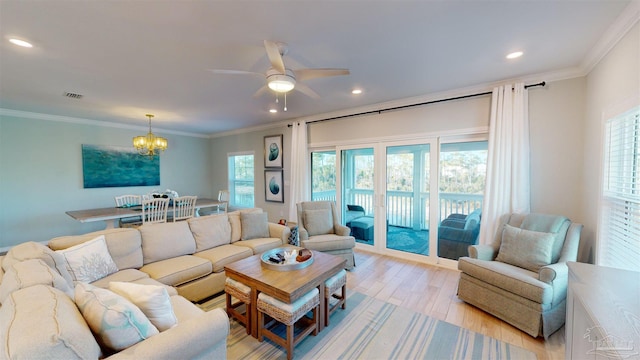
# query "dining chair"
(223, 196)
(184, 207)
(129, 201)
(154, 210)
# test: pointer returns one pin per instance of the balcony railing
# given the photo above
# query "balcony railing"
(402, 208)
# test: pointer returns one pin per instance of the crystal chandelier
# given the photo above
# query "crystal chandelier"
(148, 144)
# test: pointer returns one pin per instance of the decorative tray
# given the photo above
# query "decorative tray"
(275, 259)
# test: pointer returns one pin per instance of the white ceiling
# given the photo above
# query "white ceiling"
(128, 58)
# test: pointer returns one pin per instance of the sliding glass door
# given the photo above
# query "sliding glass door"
(419, 198)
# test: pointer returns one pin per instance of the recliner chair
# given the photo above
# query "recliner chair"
(320, 230)
(456, 233)
(522, 276)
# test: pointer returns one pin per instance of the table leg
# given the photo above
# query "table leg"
(254, 312)
(323, 300)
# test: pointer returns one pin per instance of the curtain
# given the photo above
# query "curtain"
(507, 188)
(299, 189)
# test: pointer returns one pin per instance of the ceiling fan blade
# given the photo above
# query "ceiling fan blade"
(260, 91)
(273, 52)
(234, 72)
(306, 90)
(306, 74)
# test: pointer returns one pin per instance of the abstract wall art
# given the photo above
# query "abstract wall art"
(113, 166)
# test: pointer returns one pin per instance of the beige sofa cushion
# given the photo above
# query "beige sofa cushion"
(124, 245)
(260, 245)
(34, 250)
(29, 273)
(41, 322)
(178, 270)
(222, 255)
(210, 231)
(166, 241)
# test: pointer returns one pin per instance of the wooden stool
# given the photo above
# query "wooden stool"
(288, 314)
(242, 293)
(331, 286)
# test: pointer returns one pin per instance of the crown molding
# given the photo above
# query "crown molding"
(618, 29)
(256, 128)
(74, 120)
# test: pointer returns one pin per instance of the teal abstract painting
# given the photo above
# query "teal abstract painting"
(113, 166)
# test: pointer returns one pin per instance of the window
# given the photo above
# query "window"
(323, 175)
(619, 234)
(241, 187)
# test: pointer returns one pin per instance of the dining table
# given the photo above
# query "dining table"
(112, 215)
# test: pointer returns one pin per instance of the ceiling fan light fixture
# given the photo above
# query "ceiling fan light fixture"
(281, 83)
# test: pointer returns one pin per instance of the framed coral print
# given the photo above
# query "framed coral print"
(273, 151)
(273, 189)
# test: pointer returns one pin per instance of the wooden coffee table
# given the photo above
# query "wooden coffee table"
(287, 286)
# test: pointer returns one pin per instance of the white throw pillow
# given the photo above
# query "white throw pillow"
(153, 300)
(89, 261)
(116, 322)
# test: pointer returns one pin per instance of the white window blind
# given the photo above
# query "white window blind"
(619, 235)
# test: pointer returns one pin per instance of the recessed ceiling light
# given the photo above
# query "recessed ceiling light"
(356, 91)
(515, 55)
(20, 43)
(273, 111)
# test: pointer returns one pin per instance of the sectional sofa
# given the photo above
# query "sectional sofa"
(67, 299)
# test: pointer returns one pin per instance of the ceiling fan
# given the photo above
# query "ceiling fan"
(282, 79)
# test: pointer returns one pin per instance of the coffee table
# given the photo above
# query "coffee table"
(287, 286)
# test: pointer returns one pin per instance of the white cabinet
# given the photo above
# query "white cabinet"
(603, 313)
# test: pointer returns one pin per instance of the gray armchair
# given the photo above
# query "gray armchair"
(522, 276)
(320, 230)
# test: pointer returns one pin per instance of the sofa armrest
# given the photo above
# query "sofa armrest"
(187, 340)
(457, 235)
(279, 232)
(482, 252)
(303, 234)
(341, 230)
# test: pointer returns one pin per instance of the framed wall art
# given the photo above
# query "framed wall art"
(113, 166)
(273, 151)
(273, 187)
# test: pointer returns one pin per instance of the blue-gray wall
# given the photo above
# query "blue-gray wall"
(41, 175)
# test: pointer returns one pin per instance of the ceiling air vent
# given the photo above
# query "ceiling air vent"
(73, 95)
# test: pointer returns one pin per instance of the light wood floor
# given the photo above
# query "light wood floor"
(431, 290)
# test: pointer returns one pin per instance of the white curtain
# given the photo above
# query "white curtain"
(299, 188)
(508, 184)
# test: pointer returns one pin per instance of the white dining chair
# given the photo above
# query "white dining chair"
(223, 196)
(184, 207)
(154, 210)
(129, 201)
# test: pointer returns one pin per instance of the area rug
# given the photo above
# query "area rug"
(408, 240)
(373, 329)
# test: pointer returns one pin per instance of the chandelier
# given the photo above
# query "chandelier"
(148, 144)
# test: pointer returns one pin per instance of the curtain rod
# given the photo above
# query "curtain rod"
(380, 111)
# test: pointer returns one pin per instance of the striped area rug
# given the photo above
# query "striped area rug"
(373, 329)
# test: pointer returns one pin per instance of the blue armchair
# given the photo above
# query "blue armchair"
(456, 233)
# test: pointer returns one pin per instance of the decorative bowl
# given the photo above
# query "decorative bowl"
(270, 257)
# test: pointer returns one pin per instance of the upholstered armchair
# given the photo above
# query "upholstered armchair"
(320, 230)
(456, 233)
(522, 276)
